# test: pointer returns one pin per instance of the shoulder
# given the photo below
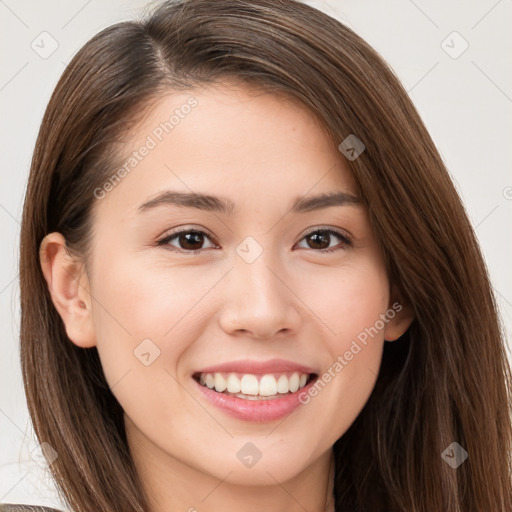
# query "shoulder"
(25, 508)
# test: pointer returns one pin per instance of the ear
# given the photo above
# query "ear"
(69, 289)
(401, 320)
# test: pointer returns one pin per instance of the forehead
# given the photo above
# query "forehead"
(231, 140)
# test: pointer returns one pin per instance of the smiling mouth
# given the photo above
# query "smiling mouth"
(249, 386)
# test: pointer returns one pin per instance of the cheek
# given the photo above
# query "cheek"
(136, 312)
(144, 325)
(348, 299)
(350, 305)
(147, 321)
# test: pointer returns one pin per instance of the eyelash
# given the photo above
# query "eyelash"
(345, 240)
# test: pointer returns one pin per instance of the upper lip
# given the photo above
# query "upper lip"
(258, 367)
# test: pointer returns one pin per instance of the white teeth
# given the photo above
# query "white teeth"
(282, 384)
(293, 383)
(210, 381)
(268, 385)
(248, 384)
(233, 383)
(220, 382)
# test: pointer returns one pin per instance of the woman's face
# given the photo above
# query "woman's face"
(266, 268)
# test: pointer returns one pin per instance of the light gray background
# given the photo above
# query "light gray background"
(466, 103)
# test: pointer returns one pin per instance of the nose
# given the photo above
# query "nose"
(259, 301)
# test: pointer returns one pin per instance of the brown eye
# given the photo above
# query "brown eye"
(321, 240)
(192, 241)
(186, 241)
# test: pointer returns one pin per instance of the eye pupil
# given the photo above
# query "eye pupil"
(319, 237)
(187, 240)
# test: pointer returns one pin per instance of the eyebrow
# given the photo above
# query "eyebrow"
(226, 206)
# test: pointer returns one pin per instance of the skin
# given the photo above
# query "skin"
(294, 301)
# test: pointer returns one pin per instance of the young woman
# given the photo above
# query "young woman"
(248, 282)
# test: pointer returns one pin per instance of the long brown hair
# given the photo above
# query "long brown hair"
(446, 380)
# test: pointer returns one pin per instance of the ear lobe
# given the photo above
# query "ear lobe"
(400, 322)
(69, 289)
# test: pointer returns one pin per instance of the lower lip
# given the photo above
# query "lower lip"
(256, 410)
